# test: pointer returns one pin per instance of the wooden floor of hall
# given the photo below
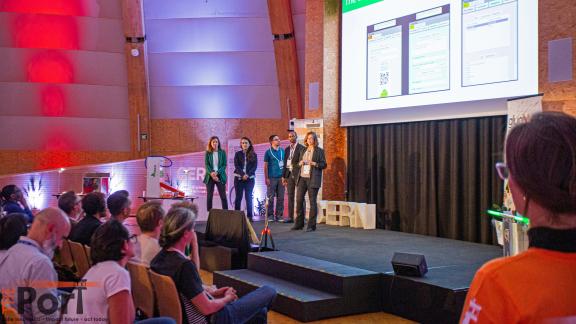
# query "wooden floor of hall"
(277, 318)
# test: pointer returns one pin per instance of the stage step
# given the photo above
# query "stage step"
(310, 272)
(301, 303)
(309, 289)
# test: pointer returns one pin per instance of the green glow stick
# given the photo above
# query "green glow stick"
(519, 218)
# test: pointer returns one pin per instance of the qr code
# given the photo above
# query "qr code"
(384, 78)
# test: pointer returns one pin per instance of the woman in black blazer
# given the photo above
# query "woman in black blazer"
(311, 162)
(245, 164)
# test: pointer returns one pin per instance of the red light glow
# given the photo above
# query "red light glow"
(54, 7)
(46, 31)
(52, 101)
(50, 25)
(51, 67)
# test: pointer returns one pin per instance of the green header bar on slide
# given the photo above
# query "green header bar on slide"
(349, 5)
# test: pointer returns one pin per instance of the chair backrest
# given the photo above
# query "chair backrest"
(228, 228)
(66, 255)
(166, 296)
(80, 258)
(142, 291)
(11, 315)
(87, 251)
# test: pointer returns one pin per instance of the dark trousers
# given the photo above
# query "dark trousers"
(275, 189)
(210, 193)
(245, 187)
(291, 188)
(303, 187)
(251, 308)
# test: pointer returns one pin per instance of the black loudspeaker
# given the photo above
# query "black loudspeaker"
(407, 264)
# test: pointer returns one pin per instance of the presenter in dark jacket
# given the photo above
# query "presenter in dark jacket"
(245, 164)
(215, 164)
(290, 172)
(311, 162)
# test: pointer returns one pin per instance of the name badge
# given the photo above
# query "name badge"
(306, 169)
(281, 164)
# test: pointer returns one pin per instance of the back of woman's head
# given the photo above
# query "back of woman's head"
(12, 226)
(176, 223)
(7, 192)
(541, 157)
(149, 216)
(94, 203)
(107, 242)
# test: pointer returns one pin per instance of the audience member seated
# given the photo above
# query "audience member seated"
(94, 207)
(70, 203)
(201, 305)
(119, 205)
(12, 226)
(14, 202)
(28, 263)
(107, 296)
(149, 217)
(195, 253)
(538, 285)
(131, 224)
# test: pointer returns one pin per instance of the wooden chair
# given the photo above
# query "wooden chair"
(142, 291)
(66, 259)
(81, 262)
(87, 250)
(166, 296)
(11, 315)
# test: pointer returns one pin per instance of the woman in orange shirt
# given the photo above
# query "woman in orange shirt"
(538, 285)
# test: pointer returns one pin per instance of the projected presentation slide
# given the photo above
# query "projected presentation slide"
(384, 60)
(490, 39)
(429, 54)
(409, 60)
(425, 38)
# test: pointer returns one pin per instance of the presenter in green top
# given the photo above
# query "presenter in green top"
(215, 164)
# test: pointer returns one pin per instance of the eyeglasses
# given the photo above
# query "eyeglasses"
(276, 139)
(133, 238)
(502, 170)
(244, 143)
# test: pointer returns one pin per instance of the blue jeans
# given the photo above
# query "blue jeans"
(251, 308)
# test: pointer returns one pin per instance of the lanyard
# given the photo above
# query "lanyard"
(281, 156)
(292, 149)
(30, 244)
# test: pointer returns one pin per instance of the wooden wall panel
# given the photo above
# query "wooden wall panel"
(556, 21)
(132, 14)
(13, 162)
(314, 54)
(280, 12)
(179, 136)
(138, 99)
(288, 73)
(288, 77)
(335, 143)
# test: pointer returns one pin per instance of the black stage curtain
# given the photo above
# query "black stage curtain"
(433, 178)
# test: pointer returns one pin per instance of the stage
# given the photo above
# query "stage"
(436, 297)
